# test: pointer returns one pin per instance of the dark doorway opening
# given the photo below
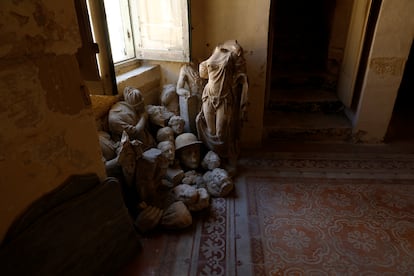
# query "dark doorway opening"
(299, 40)
(401, 127)
(301, 102)
(301, 34)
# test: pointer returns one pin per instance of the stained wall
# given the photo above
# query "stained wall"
(47, 126)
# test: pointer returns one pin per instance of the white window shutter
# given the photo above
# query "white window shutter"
(161, 30)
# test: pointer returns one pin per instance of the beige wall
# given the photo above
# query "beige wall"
(48, 131)
(247, 22)
(392, 40)
(216, 21)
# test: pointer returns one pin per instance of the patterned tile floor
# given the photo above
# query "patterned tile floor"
(299, 210)
(325, 226)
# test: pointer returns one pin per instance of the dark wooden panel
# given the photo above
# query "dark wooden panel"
(87, 234)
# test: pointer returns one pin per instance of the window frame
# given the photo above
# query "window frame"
(175, 55)
(127, 29)
(107, 70)
(133, 24)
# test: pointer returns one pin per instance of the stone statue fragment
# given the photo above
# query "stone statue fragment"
(176, 216)
(224, 100)
(187, 148)
(175, 175)
(203, 201)
(169, 98)
(210, 161)
(130, 116)
(176, 123)
(158, 115)
(189, 88)
(150, 170)
(167, 148)
(218, 182)
(186, 193)
(165, 134)
(148, 218)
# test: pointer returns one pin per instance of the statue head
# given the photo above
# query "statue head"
(168, 150)
(211, 161)
(158, 114)
(218, 182)
(177, 124)
(134, 98)
(165, 134)
(187, 148)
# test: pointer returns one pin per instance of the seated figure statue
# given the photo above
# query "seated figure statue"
(189, 89)
(130, 116)
(224, 101)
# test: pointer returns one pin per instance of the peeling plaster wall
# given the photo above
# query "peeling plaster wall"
(390, 48)
(48, 130)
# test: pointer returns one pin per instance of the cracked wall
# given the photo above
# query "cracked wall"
(48, 130)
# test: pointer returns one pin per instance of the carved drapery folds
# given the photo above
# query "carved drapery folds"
(224, 100)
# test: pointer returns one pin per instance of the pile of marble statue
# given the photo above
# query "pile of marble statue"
(157, 149)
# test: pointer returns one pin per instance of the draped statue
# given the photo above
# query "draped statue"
(224, 100)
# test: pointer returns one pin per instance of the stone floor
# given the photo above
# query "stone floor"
(300, 209)
(309, 202)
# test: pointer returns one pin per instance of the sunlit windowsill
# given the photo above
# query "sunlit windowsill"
(146, 78)
(126, 66)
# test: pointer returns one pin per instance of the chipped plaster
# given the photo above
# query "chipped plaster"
(38, 26)
(48, 127)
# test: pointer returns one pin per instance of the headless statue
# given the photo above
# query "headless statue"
(189, 89)
(224, 101)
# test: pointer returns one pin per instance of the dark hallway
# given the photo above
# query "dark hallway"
(401, 128)
(301, 35)
(302, 103)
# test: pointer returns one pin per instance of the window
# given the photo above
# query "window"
(148, 29)
(117, 34)
(119, 29)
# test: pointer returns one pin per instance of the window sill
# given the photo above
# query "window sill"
(146, 78)
(126, 66)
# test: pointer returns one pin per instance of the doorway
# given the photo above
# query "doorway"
(401, 127)
(301, 34)
(306, 46)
